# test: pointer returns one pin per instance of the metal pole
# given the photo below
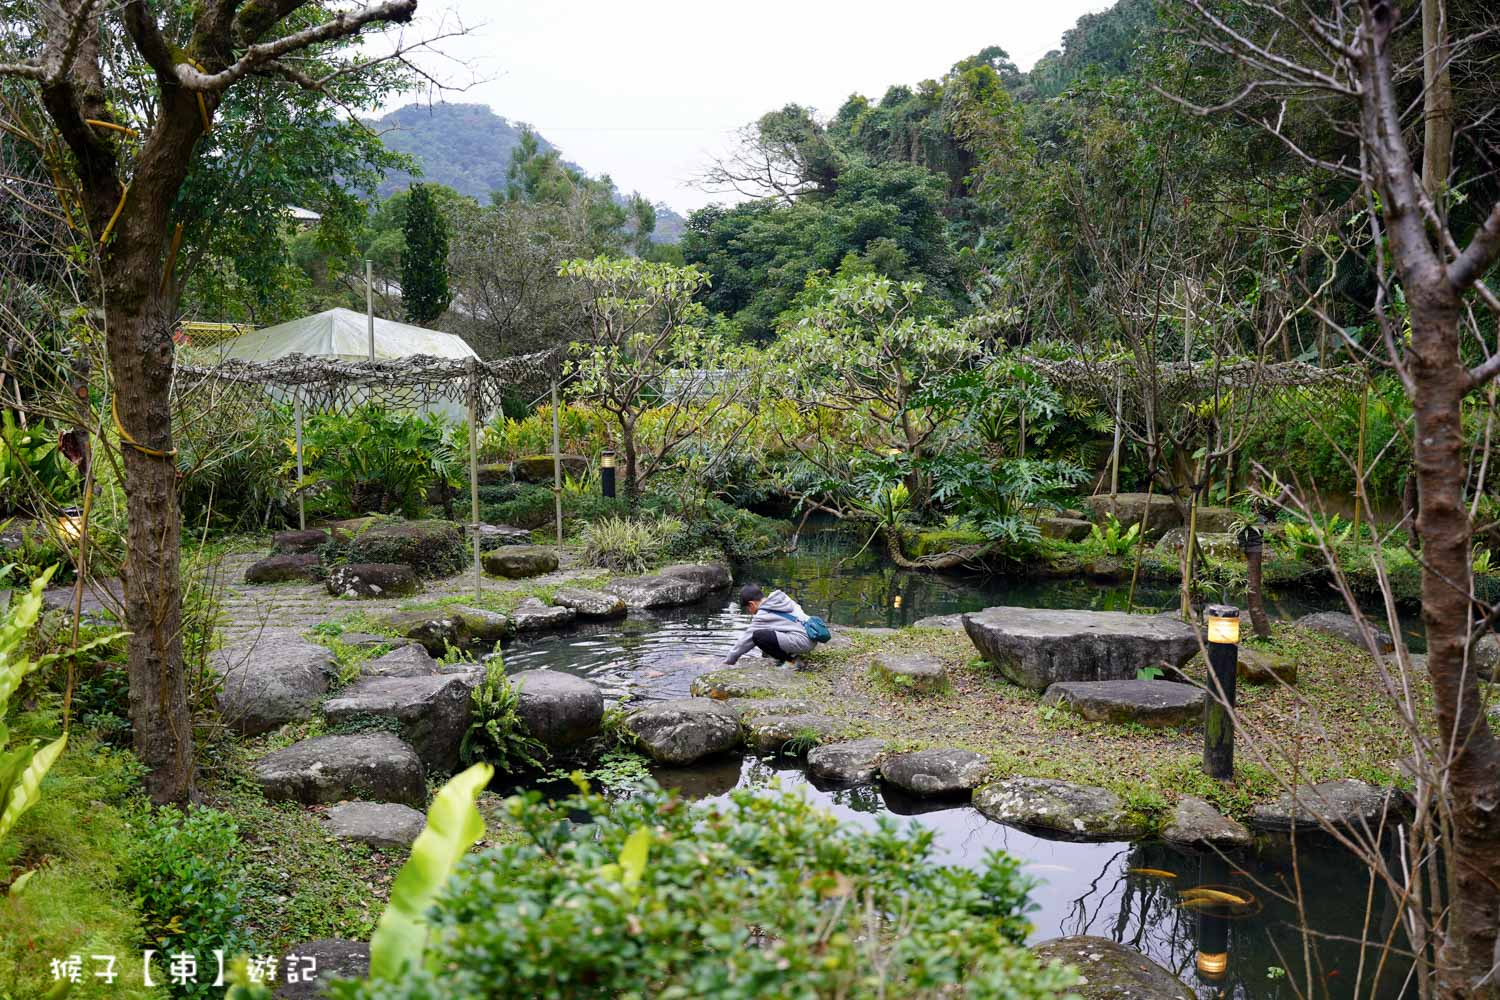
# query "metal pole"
(1218, 721)
(473, 407)
(301, 500)
(370, 303)
(1359, 462)
(557, 470)
(1114, 462)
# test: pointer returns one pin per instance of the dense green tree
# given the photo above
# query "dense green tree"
(424, 258)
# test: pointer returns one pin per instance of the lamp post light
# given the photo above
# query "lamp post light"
(1223, 661)
(607, 473)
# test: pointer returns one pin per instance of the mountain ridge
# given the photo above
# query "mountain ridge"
(468, 147)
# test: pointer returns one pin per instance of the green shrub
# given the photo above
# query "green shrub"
(927, 543)
(375, 461)
(760, 896)
(234, 474)
(520, 505)
(187, 884)
(624, 545)
(497, 735)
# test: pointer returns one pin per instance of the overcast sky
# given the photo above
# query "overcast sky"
(647, 91)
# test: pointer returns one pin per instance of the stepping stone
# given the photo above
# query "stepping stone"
(481, 625)
(1037, 647)
(1344, 626)
(1068, 529)
(793, 735)
(436, 630)
(1344, 803)
(748, 682)
(750, 708)
(532, 615)
(920, 673)
(493, 535)
(317, 963)
(1111, 971)
(558, 708)
(433, 711)
(270, 680)
(1149, 703)
(379, 824)
(953, 623)
(373, 580)
(846, 637)
(539, 468)
(936, 772)
(376, 766)
(847, 765)
(284, 568)
(519, 561)
(410, 660)
(685, 730)
(1078, 812)
(713, 576)
(1484, 656)
(1130, 508)
(1216, 545)
(1256, 666)
(1195, 823)
(656, 591)
(591, 605)
(299, 542)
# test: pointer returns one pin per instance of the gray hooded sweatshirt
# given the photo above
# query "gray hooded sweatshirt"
(790, 634)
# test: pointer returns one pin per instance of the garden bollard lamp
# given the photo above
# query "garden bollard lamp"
(607, 473)
(1223, 661)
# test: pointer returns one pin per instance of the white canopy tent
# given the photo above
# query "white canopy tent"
(345, 335)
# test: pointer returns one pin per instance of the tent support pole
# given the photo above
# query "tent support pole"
(557, 471)
(473, 401)
(370, 304)
(1114, 454)
(301, 499)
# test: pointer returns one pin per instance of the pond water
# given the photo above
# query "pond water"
(1082, 888)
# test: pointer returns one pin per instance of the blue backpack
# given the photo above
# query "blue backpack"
(815, 627)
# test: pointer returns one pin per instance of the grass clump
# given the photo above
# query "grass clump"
(629, 546)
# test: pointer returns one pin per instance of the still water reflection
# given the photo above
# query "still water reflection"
(1121, 890)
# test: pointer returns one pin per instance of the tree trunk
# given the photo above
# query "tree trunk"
(1437, 101)
(627, 441)
(141, 359)
(1473, 775)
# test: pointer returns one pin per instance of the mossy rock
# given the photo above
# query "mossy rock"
(520, 561)
(431, 548)
(928, 543)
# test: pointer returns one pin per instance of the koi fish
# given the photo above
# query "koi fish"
(1153, 872)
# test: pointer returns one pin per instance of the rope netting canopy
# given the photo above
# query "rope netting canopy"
(334, 385)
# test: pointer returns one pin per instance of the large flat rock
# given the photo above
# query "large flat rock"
(376, 766)
(684, 730)
(918, 673)
(534, 615)
(1077, 812)
(519, 561)
(269, 680)
(657, 591)
(559, 709)
(847, 765)
(748, 682)
(432, 710)
(1110, 971)
(792, 735)
(1346, 627)
(1345, 802)
(713, 576)
(283, 567)
(938, 772)
(379, 824)
(315, 964)
(1038, 647)
(1149, 703)
(435, 630)
(1196, 823)
(1130, 508)
(590, 605)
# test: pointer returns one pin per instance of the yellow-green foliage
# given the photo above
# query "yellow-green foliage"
(72, 903)
(926, 543)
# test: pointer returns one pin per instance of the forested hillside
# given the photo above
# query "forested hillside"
(468, 148)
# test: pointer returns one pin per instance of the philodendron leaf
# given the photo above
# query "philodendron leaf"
(27, 788)
(453, 825)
